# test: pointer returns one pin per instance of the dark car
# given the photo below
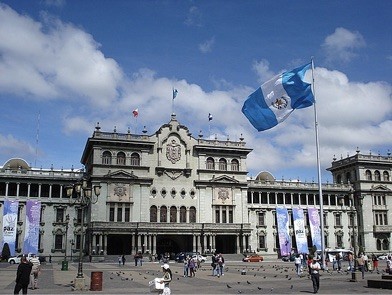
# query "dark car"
(290, 258)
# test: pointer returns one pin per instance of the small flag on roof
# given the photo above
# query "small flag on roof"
(135, 112)
(175, 92)
(209, 116)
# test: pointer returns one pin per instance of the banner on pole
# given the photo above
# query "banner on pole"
(315, 230)
(33, 215)
(10, 219)
(282, 217)
(299, 229)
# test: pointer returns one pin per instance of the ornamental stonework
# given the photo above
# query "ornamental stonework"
(173, 151)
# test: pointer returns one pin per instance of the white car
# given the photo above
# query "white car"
(201, 258)
(16, 259)
(384, 256)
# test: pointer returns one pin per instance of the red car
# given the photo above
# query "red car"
(253, 258)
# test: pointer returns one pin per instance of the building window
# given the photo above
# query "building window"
(325, 219)
(127, 214)
(111, 214)
(60, 215)
(119, 214)
(222, 164)
(210, 164)
(235, 166)
(339, 241)
(348, 177)
(368, 175)
(231, 218)
(381, 217)
(106, 158)
(385, 176)
(379, 200)
(377, 175)
(173, 214)
(182, 214)
(192, 215)
(120, 158)
(217, 216)
(338, 219)
(163, 214)
(261, 218)
(262, 244)
(224, 217)
(153, 214)
(58, 242)
(135, 159)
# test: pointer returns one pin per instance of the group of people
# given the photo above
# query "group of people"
(217, 264)
(190, 266)
(27, 274)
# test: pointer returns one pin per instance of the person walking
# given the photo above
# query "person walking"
(23, 276)
(119, 260)
(191, 267)
(315, 275)
(123, 259)
(297, 263)
(350, 258)
(186, 264)
(375, 262)
(166, 279)
(221, 264)
(361, 265)
(35, 272)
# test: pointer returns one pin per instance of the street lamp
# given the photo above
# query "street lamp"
(65, 263)
(84, 197)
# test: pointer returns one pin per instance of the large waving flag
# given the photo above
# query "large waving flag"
(175, 92)
(277, 98)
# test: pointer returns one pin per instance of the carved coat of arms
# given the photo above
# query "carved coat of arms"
(120, 190)
(173, 151)
(223, 194)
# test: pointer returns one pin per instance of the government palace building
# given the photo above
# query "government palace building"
(171, 192)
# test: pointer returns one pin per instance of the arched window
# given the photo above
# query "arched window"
(173, 214)
(120, 158)
(192, 214)
(339, 179)
(385, 176)
(222, 164)
(378, 244)
(210, 164)
(235, 166)
(153, 214)
(163, 214)
(135, 159)
(183, 214)
(377, 175)
(368, 175)
(106, 158)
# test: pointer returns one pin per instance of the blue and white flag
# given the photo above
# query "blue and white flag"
(175, 92)
(209, 117)
(277, 98)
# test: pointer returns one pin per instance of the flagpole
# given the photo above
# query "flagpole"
(319, 172)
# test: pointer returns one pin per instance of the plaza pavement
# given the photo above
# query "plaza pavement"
(267, 277)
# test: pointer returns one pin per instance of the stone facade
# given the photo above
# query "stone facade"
(172, 192)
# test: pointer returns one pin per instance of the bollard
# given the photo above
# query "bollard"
(353, 277)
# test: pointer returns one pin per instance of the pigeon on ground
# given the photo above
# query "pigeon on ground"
(228, 286)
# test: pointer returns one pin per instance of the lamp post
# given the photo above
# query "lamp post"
(81, 193)
(64, 265)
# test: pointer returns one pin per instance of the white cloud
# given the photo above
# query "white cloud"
(342, 45)
(262, 70)
(194, 17)
(60, 61)
(207, 45)
(11, 147)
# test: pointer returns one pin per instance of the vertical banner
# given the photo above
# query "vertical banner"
(299, 229)
(282, 217)
(33, 212)
(10, 219)
(315, 230)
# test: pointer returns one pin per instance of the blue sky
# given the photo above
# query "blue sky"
(74, 63)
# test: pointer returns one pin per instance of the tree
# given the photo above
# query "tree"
(6, 253)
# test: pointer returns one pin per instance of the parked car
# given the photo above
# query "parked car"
(181, 256)
(199, 257)
(253, 258)
(384, 256)
(287, 258)
(16, 259)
